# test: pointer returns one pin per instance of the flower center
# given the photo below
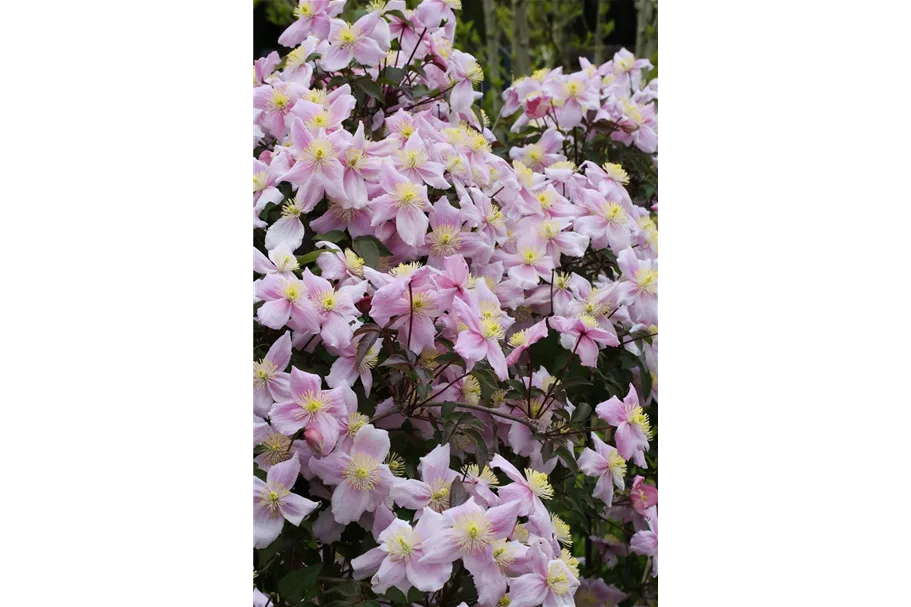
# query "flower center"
(412, 159)
(557, 580)
(474, 532)
(280, 100)
(445, 240)
(401, 545)
(263, 371)
(356, 421)
(311, 403)
(530, 256)
(439, 496)
(647, 279)
(259, 181)
(291, 291)
(491, 329)
(639, 418)
(362, 472)
(355, 263)
(320, 153)
(277, 448)
(613, 212)
(537, 482)
(616, 172)
(346, 37)
(471, 390)
(406, 195)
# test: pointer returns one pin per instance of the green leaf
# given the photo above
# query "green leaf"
(299, 584)
(336, 81)
(370, 87)
(482, 451)
(367, 247)
(447, 409)
(568, 460)
(363, 347)
(417, 67)
(400, 16)
(396, 596)
(415, 596)
(310, 257)
(457, 493)
(368, 328)
(583, 410)
(334, 236)
(394, 75)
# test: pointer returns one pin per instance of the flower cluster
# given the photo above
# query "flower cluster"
(492, 313)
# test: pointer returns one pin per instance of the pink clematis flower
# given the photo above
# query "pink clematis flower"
(465, 72)
(273, 503)
(607, 222)
(557, 238)
(265, 179)
(264, 66)
(347, 42)
(481, 337)
(270, 382)
(317, 169)
(396, 561)
(632, 423)
(316, 116)
(448, 237)
(432, 491)
(362, 480)
(549, 584)
(540, 155)
(335, 308)
(277, 448)
(642, 496)
(469, 534)
(406, 203)
(286, 303)
(574, 94)
(605, 464)
(413, 161)
(276, 102)
(646, 542)
(596, 593)
(524, 339)
(346, 370)
(528, 491)
(583, 335)
(411, 296)
(312, 18)
(280, 261)
(638, 286)
(313, 408)
(530, 263)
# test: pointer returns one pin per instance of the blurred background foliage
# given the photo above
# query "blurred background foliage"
(512, 38)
